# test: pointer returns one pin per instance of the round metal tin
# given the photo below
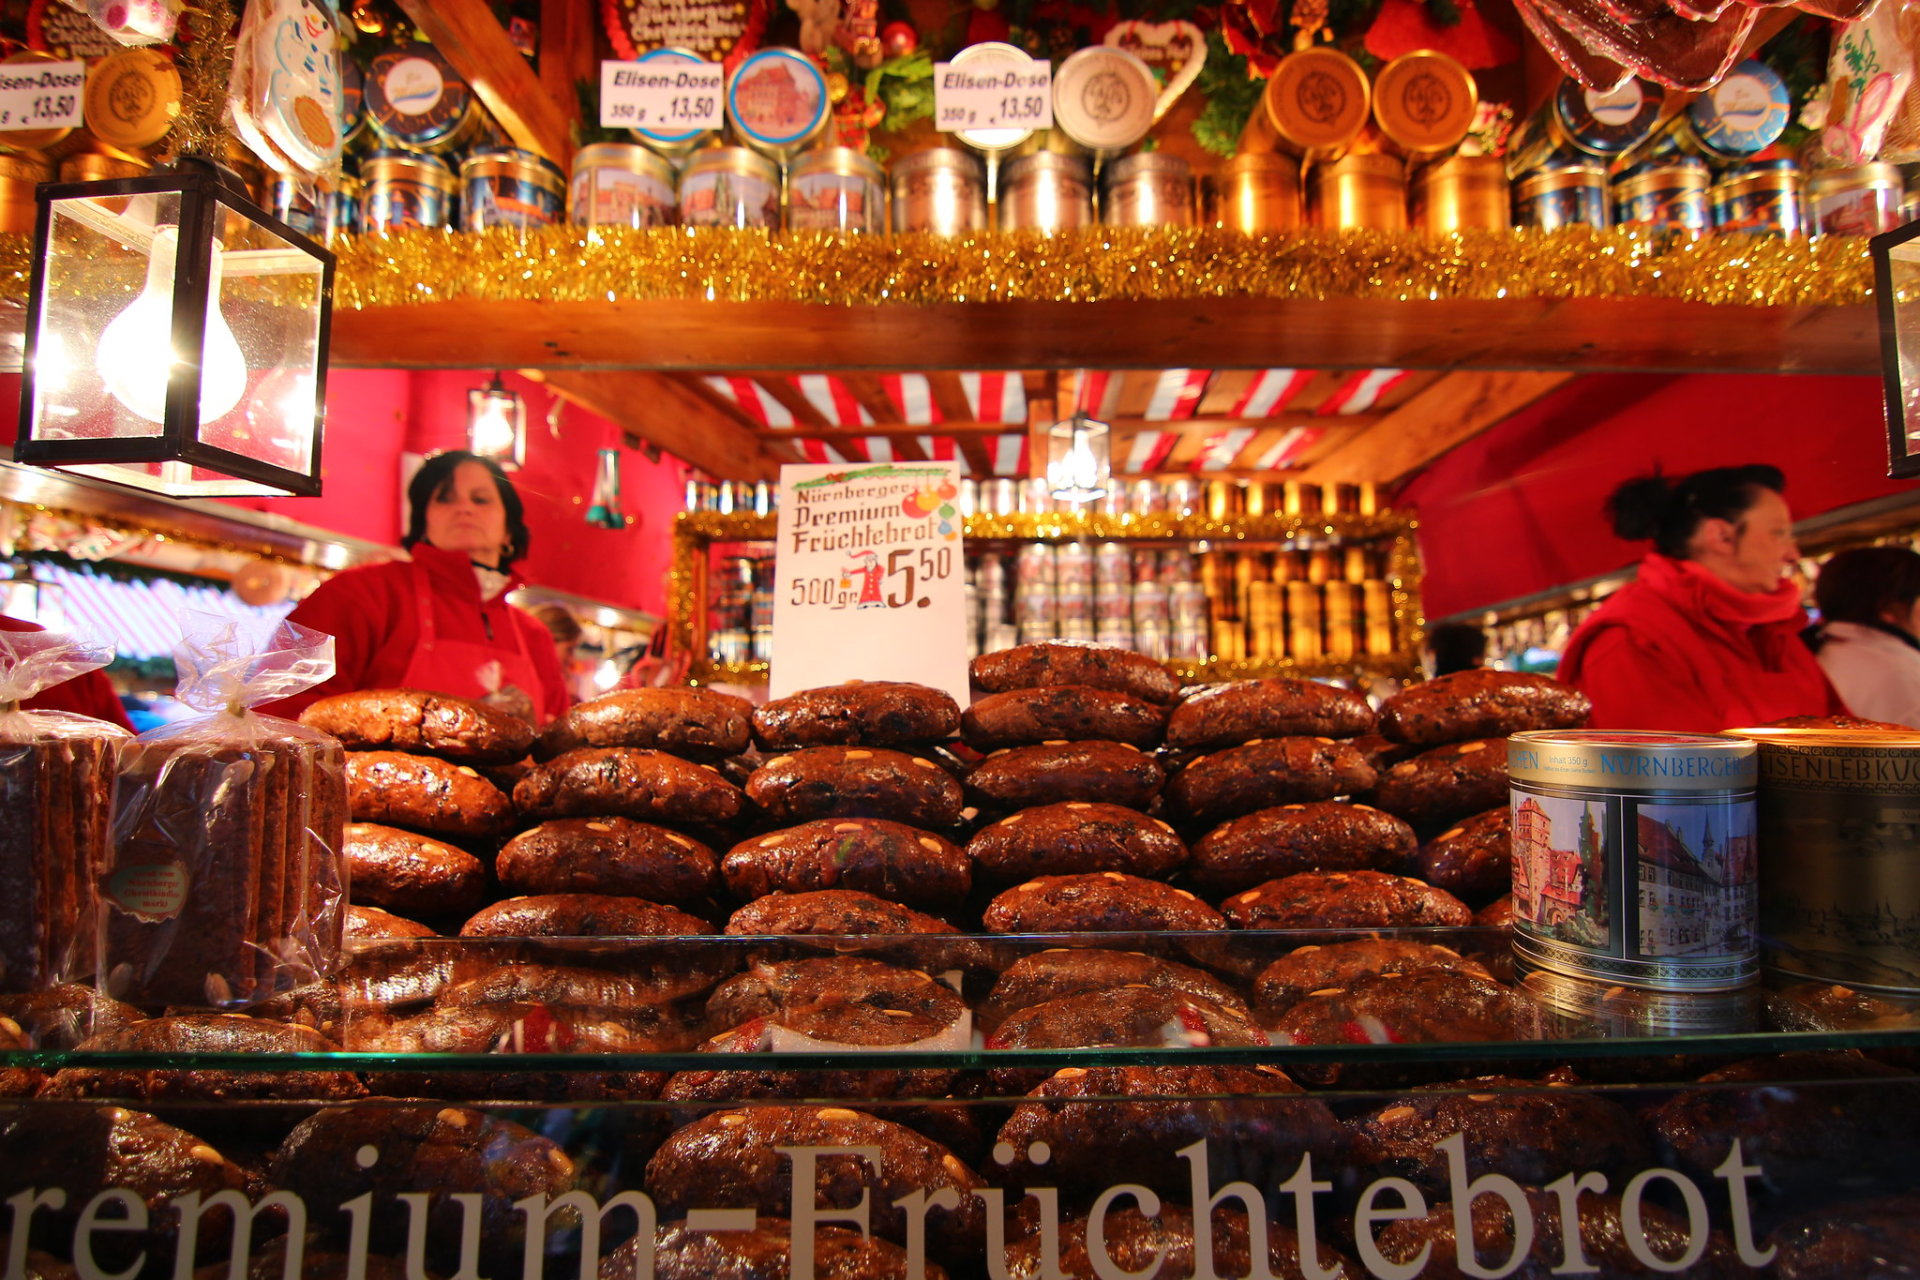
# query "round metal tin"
(1256, 192)
(1761, 197)
(1839, 884)
(403, 189)
(510, 188)
(777, 101)
(1103, 98)
(1634, 857)
(621, 184)
(836, 189)
(132, 98)
(1316, 103)
(1860, 201)
(730, 187)
(1046, 191)
(1743, 114)
(1424, 102)
(666, 141)
(416, 100)
(942, 190)
(1562, 195)
(1668, 196)
(1148, 190)
(988, 56)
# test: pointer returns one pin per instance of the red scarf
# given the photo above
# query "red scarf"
(1699, 655)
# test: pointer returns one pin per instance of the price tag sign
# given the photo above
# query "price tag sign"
(675, 97)
(869, 577)
(42, 95)
(992, 96)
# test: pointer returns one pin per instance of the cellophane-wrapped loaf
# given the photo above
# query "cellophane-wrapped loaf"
(227, 883)
(56, 788)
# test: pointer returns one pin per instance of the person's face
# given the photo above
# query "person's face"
(465, 514)
(1762, 549)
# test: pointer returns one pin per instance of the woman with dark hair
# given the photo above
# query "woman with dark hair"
(1868, 640)
(440, 621)
(1707, 635)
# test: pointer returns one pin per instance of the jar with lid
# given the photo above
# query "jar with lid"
(1763, 197)
(19, 176)
(1423, 104)
(621, 184)
(1461, 193)
(777, 102)
(1360, 191)
(1104, 99)
(1862, 200)
(1564, 194)
(730, 187)
(1668, 195)
(1046, 191)
(1256, 192)
(1151, 189)
(405, 189)
(942, 191)
(1314, 106)
(836, 189)
(1579, 124)
(507, 187)
(417, 101)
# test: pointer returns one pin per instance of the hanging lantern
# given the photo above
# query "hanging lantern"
(497, 424)
(1896, 292)
(176, 337)
(1079, 459)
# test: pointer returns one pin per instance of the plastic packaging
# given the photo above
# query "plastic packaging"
(56, 781)
(227, 883)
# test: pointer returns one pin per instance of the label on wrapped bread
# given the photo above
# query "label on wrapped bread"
(150, 892)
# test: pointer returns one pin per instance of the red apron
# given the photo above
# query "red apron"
(461, 667)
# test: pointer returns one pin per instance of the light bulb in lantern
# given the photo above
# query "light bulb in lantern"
(1078, 469)
(493, 429)
(135, 356)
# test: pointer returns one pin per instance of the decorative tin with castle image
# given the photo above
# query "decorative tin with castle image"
(1634, 857)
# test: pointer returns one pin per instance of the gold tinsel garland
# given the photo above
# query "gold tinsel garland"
(572, 264)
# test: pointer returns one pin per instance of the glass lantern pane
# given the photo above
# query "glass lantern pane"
(1904, 261)
(97, 332)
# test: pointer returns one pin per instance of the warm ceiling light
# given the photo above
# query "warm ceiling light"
(497, 424)
(1079, 459)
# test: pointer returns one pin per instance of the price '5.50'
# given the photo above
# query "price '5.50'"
(865, 582)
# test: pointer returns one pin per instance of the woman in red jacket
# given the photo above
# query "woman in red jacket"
(441, 621)
(1707, 636)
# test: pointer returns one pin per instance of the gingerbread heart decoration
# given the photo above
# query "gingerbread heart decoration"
(1175, 50)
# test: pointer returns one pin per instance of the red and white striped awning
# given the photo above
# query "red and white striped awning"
(141, 618)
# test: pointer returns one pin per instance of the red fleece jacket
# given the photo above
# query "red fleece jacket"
(90, 693)
(1679, 649)
(370, 613)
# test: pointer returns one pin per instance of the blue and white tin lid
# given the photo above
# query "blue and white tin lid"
(1608, 123)
(1746, 112)
(777, 101)
(665, 140)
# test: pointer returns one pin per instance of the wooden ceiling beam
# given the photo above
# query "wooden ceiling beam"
(973, 451)
(567, 58)
(788, 394)
(871, 396)
(1456, 408)
(950, 397)
(659, 408)
(1224, 391)
(891, 430)
(473, 40)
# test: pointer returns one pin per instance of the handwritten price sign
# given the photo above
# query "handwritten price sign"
(45, 97)
(992, 97)
(673, 97)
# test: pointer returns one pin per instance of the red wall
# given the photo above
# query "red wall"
(1519, 509)
(374, 416)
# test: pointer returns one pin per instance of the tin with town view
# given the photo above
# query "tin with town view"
(1635, 858)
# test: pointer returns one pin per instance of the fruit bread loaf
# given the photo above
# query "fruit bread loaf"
(580, 915)
(615, 992)
(765, 1252)
(856, 782)
(627, 782)
(60, 1017)
(878, 713)
(609, 855)
(1067, 712)
(226, 1034)
(56, 788)
(873, 855)
(1059, 972)
(456, 729)
(1292, 977)
(1481, 703)
(849, 999)
(1326, 835)
(1132, 1243)
(1473, 860)
(1431, 1243)
(700, 724)
(1224, 715)
(734, 1159)
(1842, 1239)
(1446, 783)
(1096, 1121)
(1528, 1131)
(1098, 902)
(1425, 1007)
(508, 1028)
(1054, 662)
(1075, 838)
(1093, 771)
(372, 922)
(1344, 900)
(412, 874)
(1128, 1016)
(399, 789)
(1265, 773)
(848, 921)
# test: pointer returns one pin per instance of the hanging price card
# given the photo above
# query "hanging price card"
(42, 95)
(677, 96)
(869, 577)
(992, 96)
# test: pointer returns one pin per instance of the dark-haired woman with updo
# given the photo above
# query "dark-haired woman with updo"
(440, 621)
(1707, 635)
(1868, 640)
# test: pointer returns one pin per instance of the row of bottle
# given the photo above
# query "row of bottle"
(1181, 496)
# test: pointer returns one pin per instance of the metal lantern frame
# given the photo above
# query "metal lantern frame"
(1903, 432)
(209, 195)
(1071, 436)
(514, 409)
